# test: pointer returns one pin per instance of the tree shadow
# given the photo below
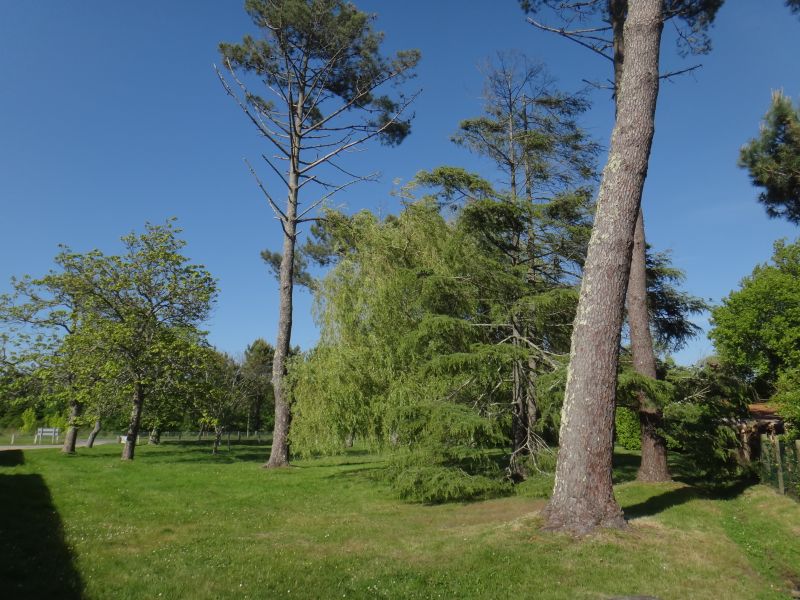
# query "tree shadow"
(193, 451)
(625, 466)
(35, 561)
(12, 458)
(675, 497)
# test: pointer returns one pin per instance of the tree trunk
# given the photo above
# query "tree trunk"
(93, 434)
(654, 447)
(155, 436)
(583, 496)
(136, 418)
(279, 453)
(71, 437)
(256, 410)
(217, 439)
(519, 414)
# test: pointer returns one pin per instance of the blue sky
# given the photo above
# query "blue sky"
(111, 115)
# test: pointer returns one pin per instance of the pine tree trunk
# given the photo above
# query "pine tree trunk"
(93, 434)
(654, 448)
(136, 419)
(71, 437)
(583, 496)
(279, 453)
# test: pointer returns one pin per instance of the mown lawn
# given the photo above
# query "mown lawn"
(181, 523)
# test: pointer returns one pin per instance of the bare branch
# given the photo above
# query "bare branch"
(274, 168)
(671, 74)
(362, 139)
(275, 208)
(597, 49)
(256, 121)
(371, 177)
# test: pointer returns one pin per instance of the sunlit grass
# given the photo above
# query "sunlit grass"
(181, 523)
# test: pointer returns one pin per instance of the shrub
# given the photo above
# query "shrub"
(29, 421)
(628, 429)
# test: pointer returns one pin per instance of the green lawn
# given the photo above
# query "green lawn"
(181, 523)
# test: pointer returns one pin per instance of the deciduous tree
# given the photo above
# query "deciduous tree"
(128, 316)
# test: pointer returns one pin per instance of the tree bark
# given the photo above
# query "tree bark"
(583, 496)
(217, 439)
(519, 417)
(279, 453)
(71, 437)
(135, 422)
(155, 436)
(93, 434)
(654, 447)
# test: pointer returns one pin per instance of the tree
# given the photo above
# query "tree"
(583, 495)
(670, 308)
(221, 391)
(129, 316)
(756, 329)
(410, 356)
(320, 61)
(257, 369)
(538, 223)
(607, 39)
(773, 159)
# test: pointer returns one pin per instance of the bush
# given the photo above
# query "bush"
(628, 429)
(59, 421)
(29, 421)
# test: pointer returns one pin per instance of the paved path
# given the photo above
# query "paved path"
(42, 446)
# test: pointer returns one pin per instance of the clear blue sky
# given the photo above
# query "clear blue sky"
(111, 115)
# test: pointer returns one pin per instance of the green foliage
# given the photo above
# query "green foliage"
(787, 396)
(59, 421)
(699, 422)
(98, 325)
(221, 391)
(440, 337)
(670, 307)
(30, 421)
(257, 370)
(773, 159)
(756, 330)
(627, 428)
(631, 384)
(336, 49)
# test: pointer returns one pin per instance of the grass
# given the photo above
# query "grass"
(181, 523)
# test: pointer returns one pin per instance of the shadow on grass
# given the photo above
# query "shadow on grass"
(12, 458)
(625, 466)
(678, 496)
(200, 452)
(35, 561)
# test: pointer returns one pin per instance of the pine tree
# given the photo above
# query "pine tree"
(321, 66)
(773, 159)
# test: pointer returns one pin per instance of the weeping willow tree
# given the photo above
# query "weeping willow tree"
(418, 351)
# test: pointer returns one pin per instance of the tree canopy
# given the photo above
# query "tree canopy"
(773, 159)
